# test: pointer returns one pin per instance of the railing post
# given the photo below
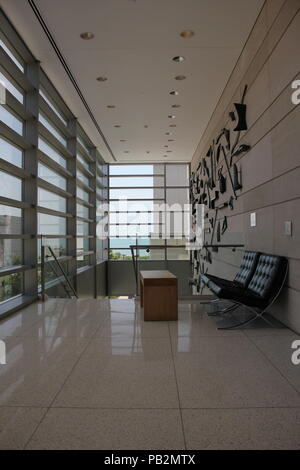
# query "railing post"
(43, 270)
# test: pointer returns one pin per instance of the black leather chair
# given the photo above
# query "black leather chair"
(263, 289)
(242, 279)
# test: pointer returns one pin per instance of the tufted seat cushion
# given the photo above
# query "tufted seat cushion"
(264, 285)
(268, 276)
(243, 277)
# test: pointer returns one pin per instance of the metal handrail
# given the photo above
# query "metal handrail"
(63, 273)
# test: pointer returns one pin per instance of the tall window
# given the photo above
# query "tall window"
(149, 207)
(53, 181)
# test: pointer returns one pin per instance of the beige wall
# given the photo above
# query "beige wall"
(269, 63)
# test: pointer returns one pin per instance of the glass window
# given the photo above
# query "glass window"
(11, 53)
(136, 181)
(83, 244)
(51, 200)
(51, 152)
(10, 220)
(11, 286)
(177, 175)
(11, 120)
(8, 83)
(51, 225)
(82, 177)
(82, 228)
(82, 143)
(53, 106)
(82, 211)
(10, 186)
(136, 193)
(82, 194)
(179, 196)
(136, 170)
(51, 128)
(11, 153)
(51, 176)
(11, 252)
(83, 161)
(58, 245)
(83, 261)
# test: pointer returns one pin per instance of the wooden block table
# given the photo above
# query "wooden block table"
(159, 295)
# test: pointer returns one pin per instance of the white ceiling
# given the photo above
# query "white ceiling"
(134, 43)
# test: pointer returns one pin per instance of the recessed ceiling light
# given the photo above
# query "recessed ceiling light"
(172, 125)
(179, 58)
(168, 133)
(101, 79)
(147, 151)
(117, 125)
(166, 146)
(180, 77)
(176, 105)
(188, 33)
(110, 106)
(170, 140)
(169, 151)
(174, 93)
(123, 140)
(87, 36)
(171, 116)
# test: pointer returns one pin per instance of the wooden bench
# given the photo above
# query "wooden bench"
(159, 295)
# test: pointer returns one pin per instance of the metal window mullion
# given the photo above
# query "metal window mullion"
(84, 170)
(14, 137)
(52, 92)
(72, 201)
(84, 153)
(93, 224)
(20, 78)
(52, 188)
(84, 186)
(6, 201)
(55, 120)
(44, 132)
(13, 169)
(48, 161)
(30, 184)
(14, 105)
(45, 210)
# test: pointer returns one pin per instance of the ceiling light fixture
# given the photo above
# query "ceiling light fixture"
(147, 151)
(87, 36)
(101, 79)
(110, 106)
(171, 116)
(123, 140)
(170, 140)
(166, 146)
(146, 126)
(178, 58)
(169, 151)
(174, 93)
(176, 105)
(172, 125)
(126, 151)
(117, 126)
(180, 77)
(186, 34)
(168, 133)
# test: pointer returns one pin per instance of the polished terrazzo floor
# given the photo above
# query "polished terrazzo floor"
(90, 374)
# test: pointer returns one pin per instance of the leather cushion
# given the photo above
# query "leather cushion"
(247, 268)
(268, 276)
